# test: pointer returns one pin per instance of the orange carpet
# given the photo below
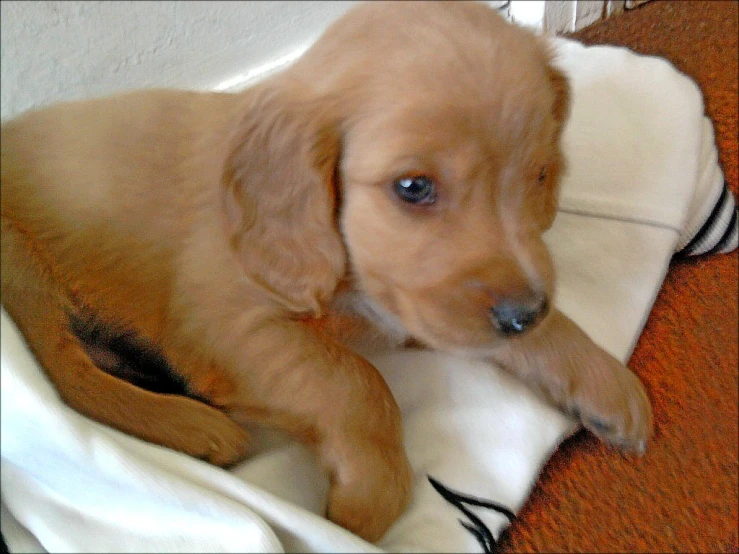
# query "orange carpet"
(682, 496)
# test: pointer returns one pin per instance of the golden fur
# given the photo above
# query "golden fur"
(244, 235)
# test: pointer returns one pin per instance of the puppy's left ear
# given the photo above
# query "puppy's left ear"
(560, 111)
(281, 195)
(562, 96)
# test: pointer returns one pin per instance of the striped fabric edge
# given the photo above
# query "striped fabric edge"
(719, 232)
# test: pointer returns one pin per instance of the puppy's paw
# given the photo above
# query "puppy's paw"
(207, 433)
(614, 406)
(369, 498)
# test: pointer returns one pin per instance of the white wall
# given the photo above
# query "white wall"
(565, 16)
(61, 50)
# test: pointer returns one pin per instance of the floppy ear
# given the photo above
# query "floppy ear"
(561, 88)
(281, 196)
(560, 112)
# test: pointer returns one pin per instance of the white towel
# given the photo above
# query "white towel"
(643, 182)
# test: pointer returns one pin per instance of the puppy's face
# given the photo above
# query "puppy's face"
(450, 165)
(443, 214)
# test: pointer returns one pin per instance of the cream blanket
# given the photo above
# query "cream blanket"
(643, 182)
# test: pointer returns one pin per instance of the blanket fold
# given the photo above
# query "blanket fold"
(643, 183)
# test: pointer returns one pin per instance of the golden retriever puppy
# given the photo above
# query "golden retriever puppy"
(401, 173)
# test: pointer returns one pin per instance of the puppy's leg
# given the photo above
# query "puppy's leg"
(560, 360)
(358, 429)
(41, 312)
(290, 376)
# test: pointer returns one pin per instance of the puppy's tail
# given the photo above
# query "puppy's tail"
(42, 311)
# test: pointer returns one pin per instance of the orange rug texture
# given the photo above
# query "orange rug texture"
(683, 495)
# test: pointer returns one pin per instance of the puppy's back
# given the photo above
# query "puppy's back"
(100, 191)
(88, 158)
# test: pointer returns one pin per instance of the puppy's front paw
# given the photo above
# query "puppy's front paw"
(613, 405)
(369, 497)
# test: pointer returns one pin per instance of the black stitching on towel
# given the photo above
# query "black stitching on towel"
(726, 237)
(476, 526)
(705, 228)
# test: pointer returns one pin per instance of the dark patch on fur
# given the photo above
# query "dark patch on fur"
(129, 357)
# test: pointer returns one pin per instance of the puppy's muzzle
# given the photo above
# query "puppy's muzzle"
(516, 316)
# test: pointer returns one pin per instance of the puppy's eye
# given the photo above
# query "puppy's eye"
(543, 174)
(418, 189)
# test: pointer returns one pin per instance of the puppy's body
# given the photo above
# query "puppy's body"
(239, 234)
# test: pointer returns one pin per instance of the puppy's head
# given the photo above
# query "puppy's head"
(448, 122)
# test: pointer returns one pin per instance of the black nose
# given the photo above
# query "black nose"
(516, 316)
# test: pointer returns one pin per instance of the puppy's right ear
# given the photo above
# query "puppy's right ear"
(281, 195)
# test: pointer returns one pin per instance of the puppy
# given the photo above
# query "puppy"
(401, 173)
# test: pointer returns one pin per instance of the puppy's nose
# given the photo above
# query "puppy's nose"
(516, 316)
